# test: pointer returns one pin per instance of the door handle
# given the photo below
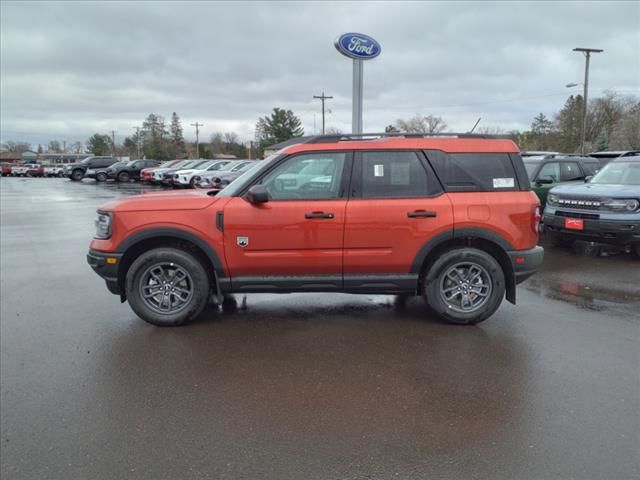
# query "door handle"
(318, 215)
(422, 214)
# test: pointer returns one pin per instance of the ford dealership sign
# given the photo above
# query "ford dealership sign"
(358, 46)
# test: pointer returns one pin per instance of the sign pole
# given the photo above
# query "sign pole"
(356, 113)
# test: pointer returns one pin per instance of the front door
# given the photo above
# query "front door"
(298, 232)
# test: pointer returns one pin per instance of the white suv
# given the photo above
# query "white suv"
(185, 178)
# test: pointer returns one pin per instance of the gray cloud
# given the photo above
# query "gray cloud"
(71, 69)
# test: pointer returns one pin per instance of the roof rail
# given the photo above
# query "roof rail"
(347, 137)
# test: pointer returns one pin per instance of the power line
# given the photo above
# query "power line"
(197, 137)
(322, 97)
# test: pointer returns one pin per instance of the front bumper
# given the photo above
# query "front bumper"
(106, 266)
(613, 232)
(526, 262)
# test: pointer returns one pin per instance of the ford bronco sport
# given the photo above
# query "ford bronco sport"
(452, 218)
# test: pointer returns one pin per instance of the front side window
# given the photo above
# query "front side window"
(393, 175)
(307, 176)
(550, 170)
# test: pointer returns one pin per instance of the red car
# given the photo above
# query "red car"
(6, 169)
(451, 218)
(146, 174)
(35, 170)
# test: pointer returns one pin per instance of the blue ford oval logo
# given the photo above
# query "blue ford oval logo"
(358, 46)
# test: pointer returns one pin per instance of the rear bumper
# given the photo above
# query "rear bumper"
(107, 269)
(613, 232)
(526, 262)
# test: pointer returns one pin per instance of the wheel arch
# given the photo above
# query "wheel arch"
(141, 242)
(483, 239)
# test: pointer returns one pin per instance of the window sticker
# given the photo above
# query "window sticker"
(378, 170)
(503, 183)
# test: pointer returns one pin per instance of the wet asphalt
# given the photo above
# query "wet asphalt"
(306, 386)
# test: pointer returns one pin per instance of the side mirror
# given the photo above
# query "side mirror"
(588, 178)
(258, 194)
(546, 180)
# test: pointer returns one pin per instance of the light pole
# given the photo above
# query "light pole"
(587, 53)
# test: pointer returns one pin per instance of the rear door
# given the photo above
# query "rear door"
(298, 232)
(397, 204)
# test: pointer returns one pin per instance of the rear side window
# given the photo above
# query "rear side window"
(469, 172)
(570, 171)
(395, 175)
(591, 168)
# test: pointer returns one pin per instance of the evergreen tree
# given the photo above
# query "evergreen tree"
(568, 123)
(155, 138)
(177, 139)
(99, 144)
(281, 125)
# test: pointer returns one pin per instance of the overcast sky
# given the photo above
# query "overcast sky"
(69, 69)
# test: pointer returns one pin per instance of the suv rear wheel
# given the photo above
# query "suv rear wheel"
(167, 286)
(464, 285)
(77, 175)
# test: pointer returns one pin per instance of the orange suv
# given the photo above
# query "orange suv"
(449, 217)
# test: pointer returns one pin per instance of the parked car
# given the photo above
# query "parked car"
(549, 171)
(54, 170)
(448, 218)
(605, 157)
(6, 168)
(168, 175)
(606, 209)
(77, 171)
(186, 178)
(27, 170)
(157, 174)
(146, 174)
(100, 174)
(222, 178)
(130, 170)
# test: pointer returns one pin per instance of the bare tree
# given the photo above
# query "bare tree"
(333, 131)
(420, 124)
(626, 133)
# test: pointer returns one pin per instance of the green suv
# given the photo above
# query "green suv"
(545, 172)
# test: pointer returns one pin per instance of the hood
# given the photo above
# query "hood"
(185, 172)
(191, 200)
(598, 190)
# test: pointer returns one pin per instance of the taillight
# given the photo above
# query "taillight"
(535, 219)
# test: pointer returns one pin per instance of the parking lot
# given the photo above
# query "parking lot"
(306, 386)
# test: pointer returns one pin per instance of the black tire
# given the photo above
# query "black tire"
(192, 182)
(123, 177)
(436, 284)
(60, 174)
(77, 175)
(139, 278)
(101, 177)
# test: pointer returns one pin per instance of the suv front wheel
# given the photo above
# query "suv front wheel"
(167, 286)
(464, 285)
(77, 175)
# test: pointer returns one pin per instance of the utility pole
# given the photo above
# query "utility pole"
(137, 142)
(322, 98)
(197, 137)
(587, 53)
(113, 143)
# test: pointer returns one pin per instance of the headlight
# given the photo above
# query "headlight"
(621, 204)
(552, 199)
(103, 225)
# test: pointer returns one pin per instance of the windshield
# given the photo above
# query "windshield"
(619, 173)
(234, 187)
(243, 166)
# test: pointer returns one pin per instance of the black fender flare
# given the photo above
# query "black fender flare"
(471, 232)
(178, 234)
